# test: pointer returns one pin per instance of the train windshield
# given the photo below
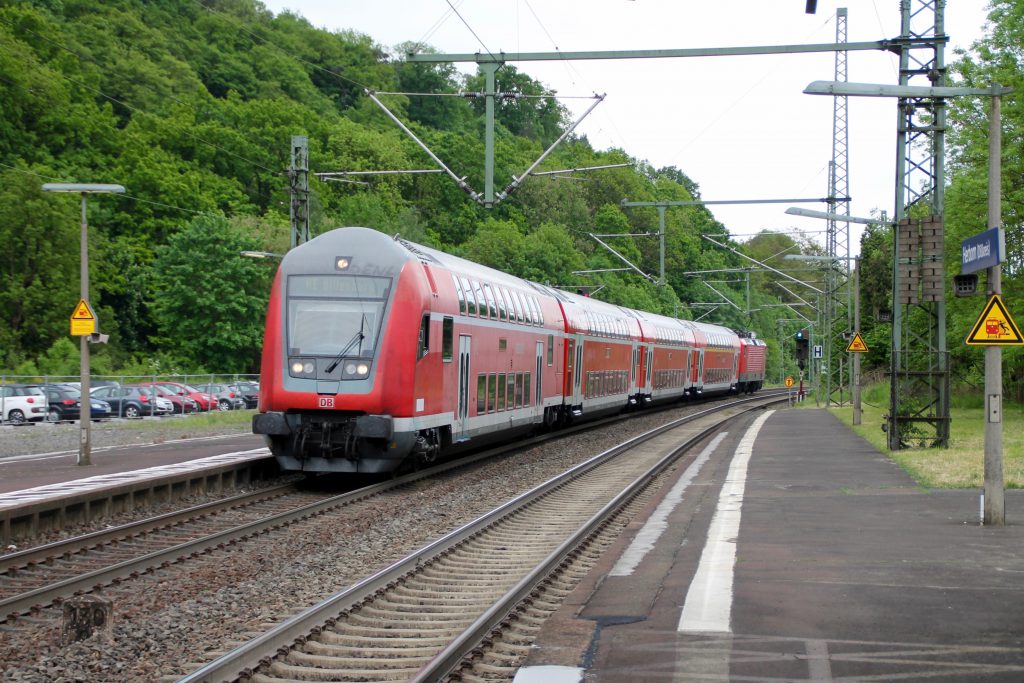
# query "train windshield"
(332, 314)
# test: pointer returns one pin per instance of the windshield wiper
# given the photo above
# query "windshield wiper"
(356, 338)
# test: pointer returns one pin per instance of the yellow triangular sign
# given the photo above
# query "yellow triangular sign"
(857, 344)
(82, 311)
(995, 326)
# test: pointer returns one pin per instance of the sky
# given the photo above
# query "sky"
(740, 127)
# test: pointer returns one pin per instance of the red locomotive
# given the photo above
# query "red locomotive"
(379, 352)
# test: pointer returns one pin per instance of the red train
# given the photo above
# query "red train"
(379, 352)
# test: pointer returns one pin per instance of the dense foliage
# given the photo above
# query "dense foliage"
(191, 105)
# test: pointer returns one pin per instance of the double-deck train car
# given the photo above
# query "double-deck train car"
(379, 352)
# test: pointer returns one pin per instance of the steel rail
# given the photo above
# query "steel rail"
(243, 661)
(43, 553)
(30, 601)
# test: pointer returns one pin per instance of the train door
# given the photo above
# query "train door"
(633, 381)
(570, 376)
(688, 373)
(462, 411)
(577, 393)
(649, 371)
(540, 374)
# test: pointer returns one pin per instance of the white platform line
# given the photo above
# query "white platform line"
(708, 605)
(652, 530)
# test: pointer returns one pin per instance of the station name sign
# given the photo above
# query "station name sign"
(983, 250)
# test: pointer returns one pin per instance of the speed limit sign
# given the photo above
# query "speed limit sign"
(789, 382)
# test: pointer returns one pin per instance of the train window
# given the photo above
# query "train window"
(511, 390)
(481, 394)
(526, 388)
(481, 303)
(492, 388)
(425, 335)
(502, 344)
(447, 337)
(527, 312)
(540, 314)
(491, 306)
(502, 309)
(501, 391)
(519, 389)
(470, 300)
(517, 305)
(551, 349)
(459, 293)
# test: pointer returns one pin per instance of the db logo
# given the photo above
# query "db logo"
(326, 401)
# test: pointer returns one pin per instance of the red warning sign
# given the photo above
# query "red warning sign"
(857, 344)
(995, 326)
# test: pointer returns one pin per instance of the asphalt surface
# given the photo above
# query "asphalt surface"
(844, 570)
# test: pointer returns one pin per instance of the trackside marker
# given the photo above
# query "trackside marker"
(708, 604)
(648, 536)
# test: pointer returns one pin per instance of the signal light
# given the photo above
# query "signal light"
(802, 342)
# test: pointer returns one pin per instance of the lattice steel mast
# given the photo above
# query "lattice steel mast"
(919, 397)
(837, 277)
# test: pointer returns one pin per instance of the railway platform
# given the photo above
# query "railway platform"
(795, 551)
(48, 491)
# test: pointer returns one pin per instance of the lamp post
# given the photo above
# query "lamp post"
(994, 512)
(85, 412)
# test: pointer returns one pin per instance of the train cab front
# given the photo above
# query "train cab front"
(329, 389)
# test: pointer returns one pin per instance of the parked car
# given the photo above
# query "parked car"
(64, 402)
(20, 404)
(227, 398)
(203, 399)
(98, 408)
(182, 404)
(133, 402)
(249, 391)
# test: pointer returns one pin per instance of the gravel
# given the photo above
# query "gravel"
(172, 620)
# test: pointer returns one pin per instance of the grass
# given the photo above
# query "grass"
(959, 466)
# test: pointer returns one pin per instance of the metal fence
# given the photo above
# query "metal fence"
(98, 380)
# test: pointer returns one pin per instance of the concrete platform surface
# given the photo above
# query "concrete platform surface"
(842, 569)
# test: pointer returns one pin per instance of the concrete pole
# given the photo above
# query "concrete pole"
(85, 412)
(994, 511)
(490, 86)
(661, 239)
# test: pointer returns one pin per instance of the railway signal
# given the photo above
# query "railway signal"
(802, 343)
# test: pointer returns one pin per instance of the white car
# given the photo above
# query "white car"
(20, 404)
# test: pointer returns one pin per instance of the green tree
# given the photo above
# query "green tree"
(207, 299)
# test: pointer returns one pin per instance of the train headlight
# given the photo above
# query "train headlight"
(356, 370)
(302, 367)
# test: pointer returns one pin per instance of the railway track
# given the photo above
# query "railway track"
(418, 619)
(39, 578)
